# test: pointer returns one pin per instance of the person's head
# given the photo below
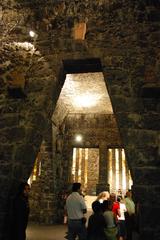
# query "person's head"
(129, 194)
(96, 206)
(24, 189)
(119, 198)
(76, 187)
(103, 196)
(107, 205)
(113, 197)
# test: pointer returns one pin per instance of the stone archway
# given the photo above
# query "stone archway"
(25, 118)
(123, 35)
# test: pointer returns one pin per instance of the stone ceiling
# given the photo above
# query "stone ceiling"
(85, 93)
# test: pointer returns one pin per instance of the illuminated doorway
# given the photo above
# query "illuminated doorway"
(119, 175)
(85, 169)
(36, 172)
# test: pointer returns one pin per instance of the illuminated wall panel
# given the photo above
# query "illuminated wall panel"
(119, 174)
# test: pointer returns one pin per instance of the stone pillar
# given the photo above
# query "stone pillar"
(103, 169)
(83, 168)
(127, 176)
(67, 165)
(148, 226)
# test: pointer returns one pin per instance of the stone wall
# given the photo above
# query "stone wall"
(97, 131)
(42, 198)
(94, 128)
(124, 35)
(92, 171)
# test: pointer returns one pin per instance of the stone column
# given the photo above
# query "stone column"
(67, 165)
(103, 169)
(127, 175)
(77, 164)
(83, 168)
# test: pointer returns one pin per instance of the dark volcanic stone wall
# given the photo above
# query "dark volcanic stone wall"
(94, 128)
(97, 130)
(124, 35)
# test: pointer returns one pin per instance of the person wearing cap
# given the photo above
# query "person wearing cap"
(76, 208)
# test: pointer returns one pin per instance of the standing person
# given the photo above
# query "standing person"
(121, 219)
(130, 214)
(115, 206)
(110, 219)
(96, 223)
(20, 212)
(76, 208)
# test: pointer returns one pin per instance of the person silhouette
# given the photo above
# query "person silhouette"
(20, 212)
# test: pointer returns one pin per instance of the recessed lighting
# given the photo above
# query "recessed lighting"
(86, 100)
(78, 138)
(32, 34)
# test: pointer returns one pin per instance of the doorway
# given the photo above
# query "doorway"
(85, 169)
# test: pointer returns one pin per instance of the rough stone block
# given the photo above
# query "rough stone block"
(79, 31)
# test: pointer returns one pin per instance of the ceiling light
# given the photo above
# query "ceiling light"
(32, 34)
(86, 100)
(78, 138)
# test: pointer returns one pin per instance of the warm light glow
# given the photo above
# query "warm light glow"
(25, 45)
(32, 34)
(86, 167)
(84, 93)
(119, 175)
(117, 168)
(86, 100)
(110, 169)
(123, 171)
(80, 165)
(130, 180)
(74, 164)
(78, 138)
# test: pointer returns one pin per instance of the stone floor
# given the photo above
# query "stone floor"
(55, 232)
(37, 232)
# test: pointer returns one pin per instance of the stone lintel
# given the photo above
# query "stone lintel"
(150, 90)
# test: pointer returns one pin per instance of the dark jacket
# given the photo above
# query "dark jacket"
(96, 225)
(20, 214)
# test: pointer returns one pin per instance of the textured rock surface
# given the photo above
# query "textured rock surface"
(124, 35)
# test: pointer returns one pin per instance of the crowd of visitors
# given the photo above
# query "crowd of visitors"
(112, 217)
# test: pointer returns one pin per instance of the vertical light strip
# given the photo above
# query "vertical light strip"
(130, 179)
(86, 167)
(39, 168)
(80, 165)
(74, 163)
(123, 172)
(110, 168)
(120, 168)
(117, 168)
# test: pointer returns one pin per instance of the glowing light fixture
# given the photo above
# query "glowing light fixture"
(86, 100)
(78, 138)
(32, 34)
